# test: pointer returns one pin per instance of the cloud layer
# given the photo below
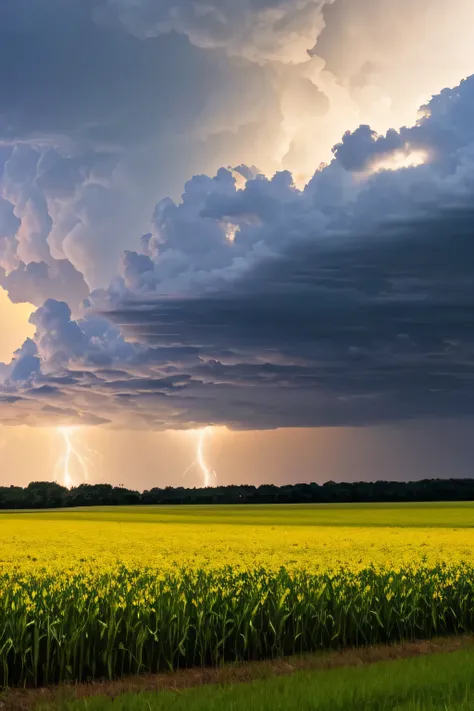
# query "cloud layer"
(255, 304)
(282, 30)
(87, 149)
(95, 125)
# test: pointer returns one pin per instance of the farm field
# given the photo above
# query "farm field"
(437, 514)
(105, 592)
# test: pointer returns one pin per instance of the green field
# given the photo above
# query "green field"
(438, 514)
(441, 682)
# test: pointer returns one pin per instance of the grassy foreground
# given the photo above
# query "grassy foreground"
(441, 682)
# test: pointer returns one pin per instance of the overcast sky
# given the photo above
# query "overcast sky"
(254, 217)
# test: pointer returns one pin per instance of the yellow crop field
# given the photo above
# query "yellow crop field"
(33, 544)
(108, 594)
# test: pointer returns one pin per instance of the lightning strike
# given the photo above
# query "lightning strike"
(71, 455)
(208, 474)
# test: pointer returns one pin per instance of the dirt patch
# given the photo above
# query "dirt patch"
(29, 699)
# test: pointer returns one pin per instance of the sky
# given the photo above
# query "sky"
(245, 227)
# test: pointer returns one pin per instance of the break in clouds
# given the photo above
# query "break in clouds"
(340, 294)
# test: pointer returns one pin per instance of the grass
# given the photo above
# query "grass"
(441, 682)
(437, 514)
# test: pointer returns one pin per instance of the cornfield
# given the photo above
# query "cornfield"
(82, 627)
(83, 600)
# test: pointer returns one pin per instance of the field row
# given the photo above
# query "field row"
(58, 627)
(29, 544)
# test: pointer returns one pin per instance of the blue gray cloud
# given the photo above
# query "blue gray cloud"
(95, 125)
(108, 105)
(255, 304)
(282, 30)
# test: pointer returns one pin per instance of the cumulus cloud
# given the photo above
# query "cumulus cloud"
(214, 234)
(333, 63)
(9, 225)
(86, 149)
(28, 270)
(443, 129)
(282, 30)
(376, 63)
(261, 305)
(37, 281)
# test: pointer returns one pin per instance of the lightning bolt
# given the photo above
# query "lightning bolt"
(208, 474)
(71, 454)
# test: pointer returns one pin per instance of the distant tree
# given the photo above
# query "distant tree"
(44, 495)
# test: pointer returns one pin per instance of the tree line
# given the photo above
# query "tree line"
(45, 495)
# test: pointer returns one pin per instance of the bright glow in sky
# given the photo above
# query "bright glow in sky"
(14, 326)
(400, 160)
(382, 63)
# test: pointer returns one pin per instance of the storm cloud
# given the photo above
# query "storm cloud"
(282, 30)
(95, 126)
(257, 305)
(270, 290)
(108, 106)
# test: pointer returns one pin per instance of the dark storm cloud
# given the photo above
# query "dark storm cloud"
(95, 125)
(62, 74)
(108, 105)
(260, 305)
(378, 328)
(218, 232)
